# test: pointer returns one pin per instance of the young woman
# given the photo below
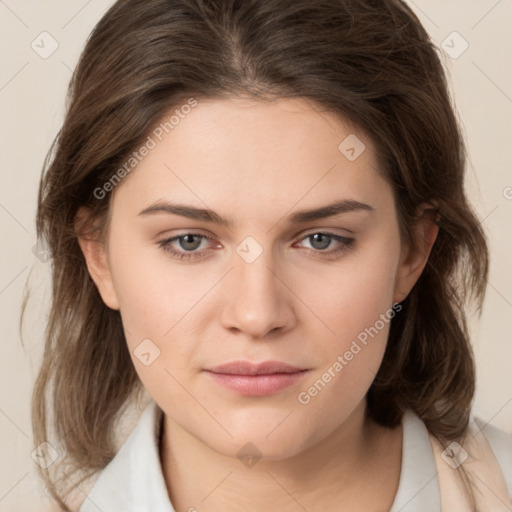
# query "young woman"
(257, 219)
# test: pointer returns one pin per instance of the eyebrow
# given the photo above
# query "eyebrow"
(206, 215)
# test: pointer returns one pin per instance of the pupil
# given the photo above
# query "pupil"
(316, 236)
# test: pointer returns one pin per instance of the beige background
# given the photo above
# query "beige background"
(32, 92)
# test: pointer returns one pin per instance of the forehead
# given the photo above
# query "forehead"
(253, 154)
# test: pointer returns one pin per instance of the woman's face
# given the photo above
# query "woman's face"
(271, 282)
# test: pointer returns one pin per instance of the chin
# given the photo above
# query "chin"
(255, 442)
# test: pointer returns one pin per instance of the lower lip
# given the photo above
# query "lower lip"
(257, 385)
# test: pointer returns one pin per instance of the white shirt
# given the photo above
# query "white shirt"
(133, 480)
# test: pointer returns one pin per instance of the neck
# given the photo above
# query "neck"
(338, 469)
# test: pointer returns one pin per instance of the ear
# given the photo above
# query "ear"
(414, 255)
(96, 258)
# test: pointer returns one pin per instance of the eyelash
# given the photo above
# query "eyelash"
(189, 255)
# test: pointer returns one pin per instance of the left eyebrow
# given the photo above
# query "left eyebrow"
(330, 210)
(206, 215)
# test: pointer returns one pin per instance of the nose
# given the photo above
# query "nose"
(257, 300)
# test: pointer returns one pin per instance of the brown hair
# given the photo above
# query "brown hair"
(371, 62)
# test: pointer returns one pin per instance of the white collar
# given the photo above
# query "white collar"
(133, 480)
(418, 488)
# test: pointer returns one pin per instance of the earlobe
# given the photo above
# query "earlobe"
(414, 256)
(95, 254)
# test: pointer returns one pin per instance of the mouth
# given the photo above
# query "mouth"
(261, 379)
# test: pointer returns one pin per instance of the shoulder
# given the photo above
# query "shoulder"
(484, 455)
(500, 442)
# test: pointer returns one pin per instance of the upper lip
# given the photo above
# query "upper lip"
(248, 368)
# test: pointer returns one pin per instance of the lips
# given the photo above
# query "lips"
(247, 368)
(251, 379)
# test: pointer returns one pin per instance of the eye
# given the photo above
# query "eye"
(189, 244)
(320, 241)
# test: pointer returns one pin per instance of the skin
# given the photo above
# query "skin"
(256, 163)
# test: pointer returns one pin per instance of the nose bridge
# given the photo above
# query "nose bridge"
(257, 300)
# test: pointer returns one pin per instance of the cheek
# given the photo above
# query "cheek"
(351, 296)
(153, 293)
(159, 303)
(360, 315)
